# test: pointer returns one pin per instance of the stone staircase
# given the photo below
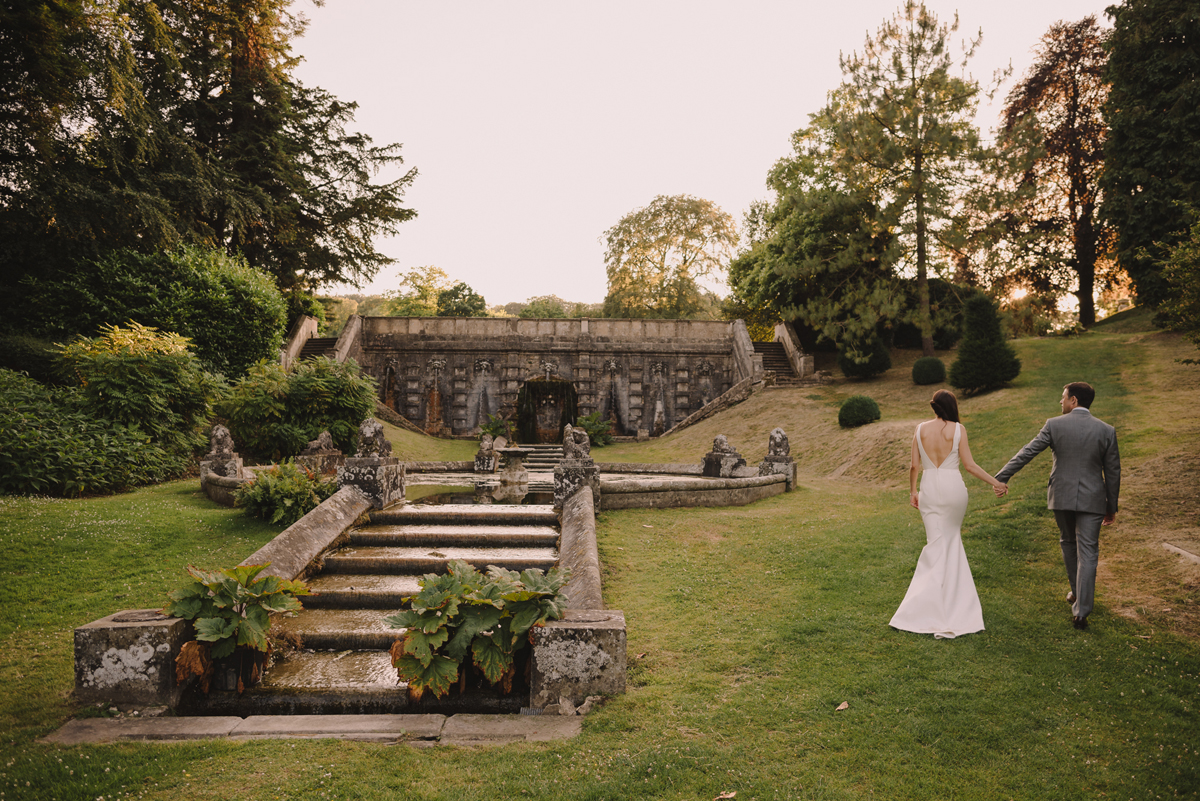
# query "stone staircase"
(544, 458)
(318, 346)
(343, 665)
(775, 360)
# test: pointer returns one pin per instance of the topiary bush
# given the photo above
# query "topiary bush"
(858, 410)
(985, 359)
(864, 360)
(275, 412)
(928, 370)
(283, 494)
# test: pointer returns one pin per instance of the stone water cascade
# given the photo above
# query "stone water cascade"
(343, 665)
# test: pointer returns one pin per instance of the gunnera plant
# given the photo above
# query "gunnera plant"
(928, 370)
(284, 493)
(858, 410)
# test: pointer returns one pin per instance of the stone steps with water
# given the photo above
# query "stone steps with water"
(343, 665)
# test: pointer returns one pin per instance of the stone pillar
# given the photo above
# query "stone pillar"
(321, 456)
(485, 457)
(778, 460)
(577, 469)
(373, 470)
(583, 654)
(723, 460)
(128, 659)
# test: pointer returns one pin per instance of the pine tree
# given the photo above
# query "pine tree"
(985, 359)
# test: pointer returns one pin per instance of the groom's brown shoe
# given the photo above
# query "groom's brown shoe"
(1070, 597)
(1079, 622)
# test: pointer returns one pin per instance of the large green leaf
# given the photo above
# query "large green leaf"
(421, 645)
(244, 574)
(474, 619)
(252, 629)
(525, 615)
(491, 658)
(279, 602)
(212, 629)
(405, 619)
(438, 676)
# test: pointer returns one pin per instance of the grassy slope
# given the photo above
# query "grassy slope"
(747, 627)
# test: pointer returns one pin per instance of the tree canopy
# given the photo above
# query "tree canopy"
(1152, 155)
(142, 126)
(655, 256)
(1061, 99)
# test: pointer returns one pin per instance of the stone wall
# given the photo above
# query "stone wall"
(447, 374)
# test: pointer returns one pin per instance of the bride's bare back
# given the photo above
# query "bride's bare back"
(937, 438)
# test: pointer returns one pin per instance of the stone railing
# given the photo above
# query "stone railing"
(802, 363)
(749, 364)
(303, 330)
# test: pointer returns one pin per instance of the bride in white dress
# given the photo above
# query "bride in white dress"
(941, 599)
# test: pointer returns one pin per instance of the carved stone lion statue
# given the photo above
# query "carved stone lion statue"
(322, 444)
(721, 445)
(371, 441)
(778, 444)
(576, 444)
(221, 444)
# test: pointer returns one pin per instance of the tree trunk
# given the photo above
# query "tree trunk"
(925, 318)
(1085, 266)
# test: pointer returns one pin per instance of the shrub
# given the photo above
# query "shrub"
(858, 410)
(928, 370)
(985, 360)
(232, 312)
(946, 302)
(37, 358)
(145, 379)
(275, 412)
(864, 360)
(497, 426)
(51, 444)
(599, 430)
(283, 494)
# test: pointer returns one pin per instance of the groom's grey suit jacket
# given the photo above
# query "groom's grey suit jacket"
(1086, 476)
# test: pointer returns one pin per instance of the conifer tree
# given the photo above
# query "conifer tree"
(985, 359)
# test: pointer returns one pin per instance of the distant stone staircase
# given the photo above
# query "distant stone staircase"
(775, 360)
(318, 346)
(344, 666)
(544, 458)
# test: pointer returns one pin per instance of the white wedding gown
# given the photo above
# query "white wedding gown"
(941, 600)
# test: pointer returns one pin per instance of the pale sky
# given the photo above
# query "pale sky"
(535, 126)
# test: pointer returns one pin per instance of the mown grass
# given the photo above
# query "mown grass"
(747, 628)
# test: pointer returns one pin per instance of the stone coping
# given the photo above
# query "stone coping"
(297, 546)
(662, 468)
(693, 485)
(440, 467)
(577, 550)
(418, 729)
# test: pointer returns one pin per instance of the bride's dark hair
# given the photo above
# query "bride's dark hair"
(945, 405)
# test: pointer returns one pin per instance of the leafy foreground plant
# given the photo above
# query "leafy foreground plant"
(465, 610)
(283, 494)
(599, 431)
(232, 612)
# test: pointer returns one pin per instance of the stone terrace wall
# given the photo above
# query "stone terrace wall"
(447, 374)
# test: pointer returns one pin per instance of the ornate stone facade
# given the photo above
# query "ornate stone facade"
(447, 374)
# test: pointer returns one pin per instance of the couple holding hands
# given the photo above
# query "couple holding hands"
(1084, 483)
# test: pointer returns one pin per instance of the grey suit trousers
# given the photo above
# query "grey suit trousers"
(1080, 543)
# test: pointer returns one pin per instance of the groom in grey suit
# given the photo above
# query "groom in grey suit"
(1084, 483)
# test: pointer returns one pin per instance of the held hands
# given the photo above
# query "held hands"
(1000, 489)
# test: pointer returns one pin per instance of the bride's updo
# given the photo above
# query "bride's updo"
(945, 405)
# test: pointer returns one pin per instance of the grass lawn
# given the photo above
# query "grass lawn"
(748, 627)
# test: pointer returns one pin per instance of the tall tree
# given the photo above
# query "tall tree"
(424, 286)
(1152, 157)
(461, 301)
(900, 129)
(655, 256)
(1061, 98)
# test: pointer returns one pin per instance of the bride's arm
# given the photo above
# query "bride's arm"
(964, 456)
(914, 468)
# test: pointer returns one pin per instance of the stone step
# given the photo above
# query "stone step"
(342, 629)
(328, 682)
(360, 591)
(401, 560)
(318, 346)
(479, 536)
(469, 514)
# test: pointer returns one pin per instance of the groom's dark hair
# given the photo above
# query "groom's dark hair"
(1082, 392)
(945, 405)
